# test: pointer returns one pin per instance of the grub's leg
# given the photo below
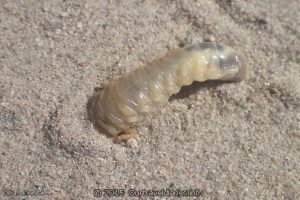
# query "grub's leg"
(128, 134)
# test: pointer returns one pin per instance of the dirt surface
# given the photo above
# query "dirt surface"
(229, 141)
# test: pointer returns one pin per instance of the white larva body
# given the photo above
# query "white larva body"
(126, 100)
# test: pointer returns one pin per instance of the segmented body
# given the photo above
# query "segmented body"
(126, 100)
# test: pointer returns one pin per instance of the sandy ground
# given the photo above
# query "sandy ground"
(231, 141)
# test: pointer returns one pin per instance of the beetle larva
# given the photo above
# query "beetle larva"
(125, 101)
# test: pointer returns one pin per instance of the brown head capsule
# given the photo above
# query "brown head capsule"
(126, 100)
